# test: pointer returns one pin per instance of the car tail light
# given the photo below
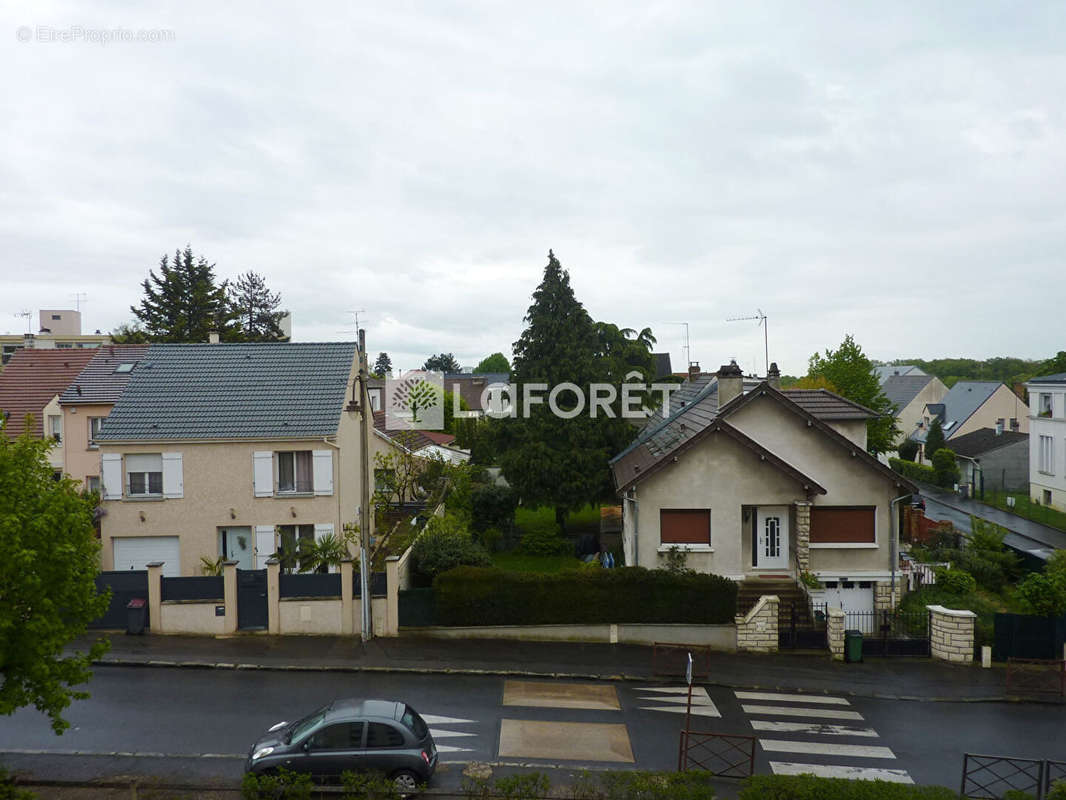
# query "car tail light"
(425, 757)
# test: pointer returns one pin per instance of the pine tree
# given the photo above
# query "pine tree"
(442, 362)
(183, 303)
(383, 366)
(255, 310)
(934, 440)
(546, 459)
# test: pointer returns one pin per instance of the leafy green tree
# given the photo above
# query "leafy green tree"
(254, 309)
(442, 362)
(908, 449)
(947, 471)
(853, 374)
(183, 303)
(383, 365)
(934, 440)
(1053, 366)
(549, 460)
(47, 582)
(497, 362)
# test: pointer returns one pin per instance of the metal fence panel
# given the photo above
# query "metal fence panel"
(1032, 676)
(198, 587)
(310, 584)
(891, 633)
(1028, 636)
(418, 608)
(722, 754)
(124, 585)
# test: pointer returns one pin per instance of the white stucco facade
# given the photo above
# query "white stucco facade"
(1047, 443)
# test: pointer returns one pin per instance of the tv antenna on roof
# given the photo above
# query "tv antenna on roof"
(765, 328)
(27, 315)
(77, 300)
(685, 347)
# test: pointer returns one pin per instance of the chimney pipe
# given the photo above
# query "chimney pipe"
(212, 337)
(730, 382)
(773, 376)
(693, 369)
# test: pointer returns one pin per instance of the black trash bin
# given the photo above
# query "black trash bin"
(136, 616)
(853, 646)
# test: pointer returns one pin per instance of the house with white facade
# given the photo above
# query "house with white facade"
(1047, 440)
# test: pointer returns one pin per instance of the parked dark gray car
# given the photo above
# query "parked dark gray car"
(359, 735)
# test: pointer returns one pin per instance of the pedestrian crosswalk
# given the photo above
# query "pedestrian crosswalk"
(435, 722)
(807, 731)
(674, 700)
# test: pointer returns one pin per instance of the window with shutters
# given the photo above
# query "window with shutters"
(843, 526)
(685, 526)
(295, 474)
(144, 474)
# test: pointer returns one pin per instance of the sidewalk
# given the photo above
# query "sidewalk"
(1035, 531)
(901, 678)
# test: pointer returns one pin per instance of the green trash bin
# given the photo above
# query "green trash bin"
(853, 646)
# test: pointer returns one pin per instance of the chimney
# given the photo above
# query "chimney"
(730, 382)
(773, 376)
(29, 340)
(212, 337)
(693, 369)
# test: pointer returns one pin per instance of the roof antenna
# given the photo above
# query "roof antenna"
(765, 331)
(685, 347)
(27, 315)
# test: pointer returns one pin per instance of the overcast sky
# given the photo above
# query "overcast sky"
(890, 170)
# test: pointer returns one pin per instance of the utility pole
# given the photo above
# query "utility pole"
(364, 493)
(765, 333)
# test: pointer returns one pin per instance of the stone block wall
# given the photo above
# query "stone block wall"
(803, 536)
(834, 630)
(757, 630)
(951, 634)
(883, 595)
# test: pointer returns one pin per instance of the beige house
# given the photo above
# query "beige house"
(228, 450)
(757, 484)
(910, 394)
(970, 406)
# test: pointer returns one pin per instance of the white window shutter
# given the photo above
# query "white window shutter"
(111, 475)
(322, 530)
(265, 546)
(173, 480)
(323, 471)
(263, 473)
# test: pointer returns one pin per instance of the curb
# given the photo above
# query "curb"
(518, 673)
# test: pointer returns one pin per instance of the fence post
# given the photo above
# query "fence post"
(951, 634)
(392, 596)
(834, 632)
(347, 610)
(273, 596)
(229, 588)
(155, 597)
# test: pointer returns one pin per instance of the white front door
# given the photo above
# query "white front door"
(771, 537)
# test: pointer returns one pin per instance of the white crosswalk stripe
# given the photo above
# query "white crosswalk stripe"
(439, 733)
(677, 699)
(808, 733)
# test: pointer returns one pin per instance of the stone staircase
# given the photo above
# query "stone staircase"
(790, 593)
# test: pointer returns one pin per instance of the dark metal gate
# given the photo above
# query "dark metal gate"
(802, 627)
(251, 599)
(891, 633)
(993, 777)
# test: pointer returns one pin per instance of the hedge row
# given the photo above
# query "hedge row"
(807, 787)
(910, 469)
(480, 596)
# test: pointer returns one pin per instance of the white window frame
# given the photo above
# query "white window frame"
(1045, 405)
(55, 427)
(128, 474)
(98, 422)
(301, 485)
(1047, 455)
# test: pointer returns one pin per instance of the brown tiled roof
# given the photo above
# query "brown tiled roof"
(98, 382)
(472, 385)
(32, 378)
(413, 440)
(828, 406)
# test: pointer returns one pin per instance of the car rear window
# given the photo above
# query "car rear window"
(414, 723)
(378, 734)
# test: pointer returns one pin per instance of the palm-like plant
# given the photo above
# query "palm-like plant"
(211, 566)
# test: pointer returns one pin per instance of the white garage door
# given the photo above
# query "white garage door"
(856, 599)
(136, 552)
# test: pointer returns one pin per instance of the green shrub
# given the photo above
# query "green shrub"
(1017, 794)
(286, 785)
(1058, 789)
(444, 545)
(475, 596)
(1043, 594)
(8, 790)
(946, 471)
(808, 787)
(908, 449)
(368, 786)
(492, 506)
(541, 542)
(917, 472)
(955, 581)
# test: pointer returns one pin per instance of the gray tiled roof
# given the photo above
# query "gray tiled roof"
(984, 440)
(270, 390)
(901, 389)
(1058, 377)
(828, 406)
(964, 398)
(98, 382)
(887, 371)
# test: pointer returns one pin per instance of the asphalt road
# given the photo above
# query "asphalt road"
(183, 725)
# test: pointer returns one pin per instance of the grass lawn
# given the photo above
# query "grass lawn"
(1024, 507)
(542, 519)
(517, 562)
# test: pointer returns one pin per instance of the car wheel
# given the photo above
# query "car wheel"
(406, 782)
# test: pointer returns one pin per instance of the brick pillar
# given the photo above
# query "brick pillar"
(392, 596)
(951, 634)
(229, 587)
(347, 579)
(757, 630)
(834, 630)
(155, 597)
(803, 536)
(273, 596)
(883, 594)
